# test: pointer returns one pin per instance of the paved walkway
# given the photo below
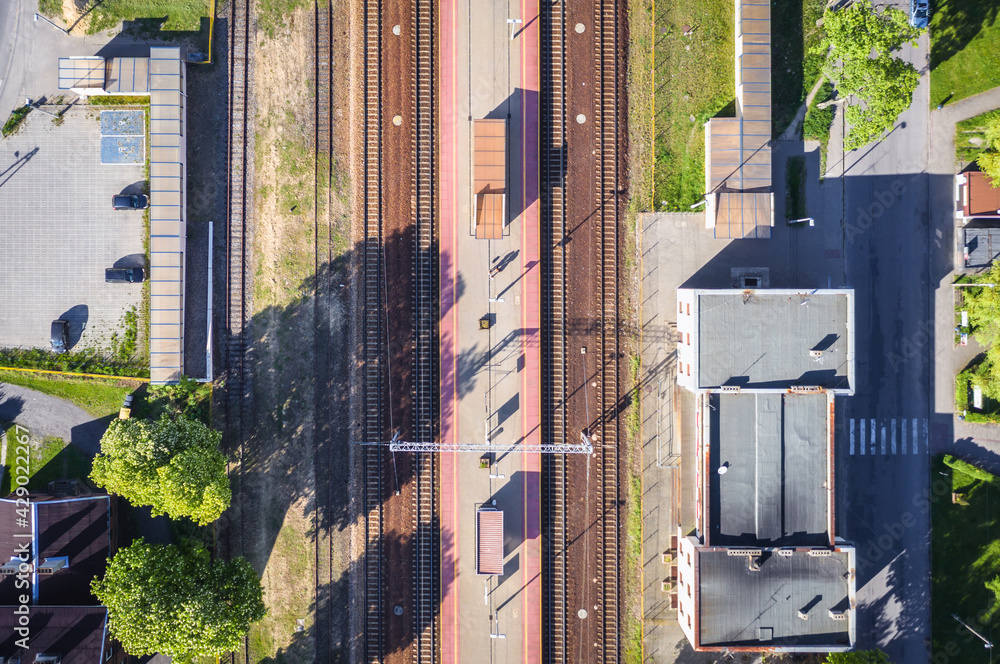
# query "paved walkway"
(45, 415)
(976, 442)
(490, 387)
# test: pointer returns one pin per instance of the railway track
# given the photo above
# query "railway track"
(553, 201)
(425, 549)
(374, 351)
(323, 461)
(606, 79)
(238, 306)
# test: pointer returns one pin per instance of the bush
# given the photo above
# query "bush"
(967, 468)
(16, 116)
(85, 361)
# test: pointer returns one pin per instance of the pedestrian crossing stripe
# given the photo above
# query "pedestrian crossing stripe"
(900, 435)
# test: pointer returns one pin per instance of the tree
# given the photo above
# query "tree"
(174, 466)
(161, 598)
(983, 305)
(858, 657)
(989, 158)
(858, 45)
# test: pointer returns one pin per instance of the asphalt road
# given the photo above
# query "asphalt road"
(893, 251)
(46, 415)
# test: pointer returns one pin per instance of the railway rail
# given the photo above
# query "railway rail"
(553, 215)
(238, 306)
(373, 333)
(425, 533)
(323, 455)
(606, 78)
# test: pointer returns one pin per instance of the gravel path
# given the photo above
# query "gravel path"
(45, 415)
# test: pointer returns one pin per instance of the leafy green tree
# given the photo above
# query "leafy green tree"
(983, 305)
(174, 466)
(989, 158)
(858, 45)
(164, 599)
(858, 657)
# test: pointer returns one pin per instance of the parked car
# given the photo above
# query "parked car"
(59, 336)
(919, 13)
(123, 275)
(130, 202)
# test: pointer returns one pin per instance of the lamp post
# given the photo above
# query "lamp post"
(988, 644)
(513, 23)
(39, 16)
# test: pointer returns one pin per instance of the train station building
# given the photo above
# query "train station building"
(763, 568)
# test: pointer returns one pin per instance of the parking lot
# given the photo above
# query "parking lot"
(60, 232)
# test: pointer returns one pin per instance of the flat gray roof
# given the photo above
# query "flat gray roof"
(775, 449)
(762, 339)
(982, 246)
(741, 607)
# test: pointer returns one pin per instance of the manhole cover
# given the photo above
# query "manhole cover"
(397, 120)
(396, 30)
(397, 610)
(579, 28)
(580, 119)
(582, 613)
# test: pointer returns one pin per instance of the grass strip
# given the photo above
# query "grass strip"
(694, 74)
(176, 15)
(817, 123)
(965, 556)
(15, 119)
(965, 59)
(98, 396)
(795, 188)
(795, 68)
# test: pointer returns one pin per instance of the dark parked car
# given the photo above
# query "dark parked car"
(919, 13)
(133, 202)
(60, 336)
(123, 275)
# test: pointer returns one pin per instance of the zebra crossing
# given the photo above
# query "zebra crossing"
(880, 436)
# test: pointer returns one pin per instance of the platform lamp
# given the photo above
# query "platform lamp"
(512, 22)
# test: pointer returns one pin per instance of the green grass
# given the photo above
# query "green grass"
(273, 14)
(817, 123)
(50, 8)
(14, 121)
(117, 100)
(693, 82)
(794, 67)
(97, 396)
(632, 638)
(965, 59)
(179, 15)
(49, 459)
(795, 188)
(971, 129)
(965, 554)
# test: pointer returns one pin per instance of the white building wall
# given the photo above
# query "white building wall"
(687, 586)
(687, 342)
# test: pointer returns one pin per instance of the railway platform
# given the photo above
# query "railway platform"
(490, 325)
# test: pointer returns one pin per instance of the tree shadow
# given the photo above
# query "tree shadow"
(955, 23)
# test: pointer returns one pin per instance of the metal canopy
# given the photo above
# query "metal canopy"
(396, 445)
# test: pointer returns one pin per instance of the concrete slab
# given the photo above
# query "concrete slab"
(490, 376)
(60, 232)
